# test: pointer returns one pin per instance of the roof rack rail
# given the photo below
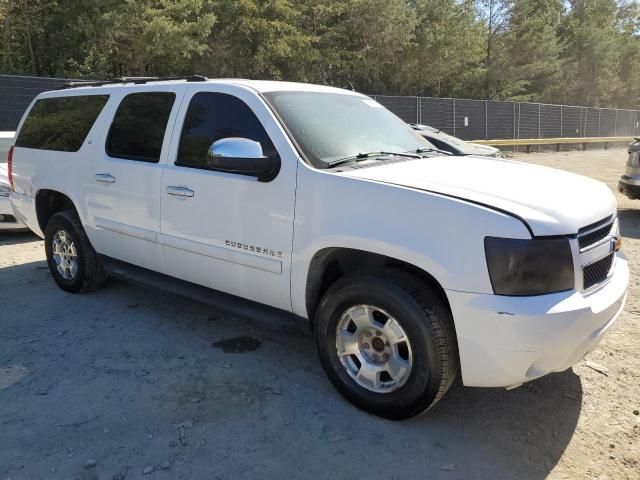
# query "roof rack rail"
(134, 80)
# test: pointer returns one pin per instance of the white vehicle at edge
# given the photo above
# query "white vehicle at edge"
(7, 220)
(411, 266)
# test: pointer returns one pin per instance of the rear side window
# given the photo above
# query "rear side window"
(213, 116)
(139, 126)
(60, 123)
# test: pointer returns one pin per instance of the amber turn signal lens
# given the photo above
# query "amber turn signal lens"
(618, 245)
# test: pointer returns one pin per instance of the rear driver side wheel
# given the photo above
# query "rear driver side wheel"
(387, 343)
(73, 263)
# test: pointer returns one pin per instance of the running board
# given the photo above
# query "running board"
(164, 283)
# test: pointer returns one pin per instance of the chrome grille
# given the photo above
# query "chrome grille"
(596, 272)
(594, 233)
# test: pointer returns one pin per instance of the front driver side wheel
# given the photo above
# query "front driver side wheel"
(387, 343)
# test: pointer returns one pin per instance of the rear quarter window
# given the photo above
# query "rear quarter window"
(60, 123)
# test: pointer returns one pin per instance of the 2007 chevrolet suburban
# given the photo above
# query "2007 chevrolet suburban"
(411, 265)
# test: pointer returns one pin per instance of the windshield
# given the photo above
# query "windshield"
(332, 126)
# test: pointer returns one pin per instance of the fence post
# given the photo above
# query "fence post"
(514, 124)
(539, 113)
(486, 120)
(615, 125)
(418, 112)
(454, 117)
(561, 129)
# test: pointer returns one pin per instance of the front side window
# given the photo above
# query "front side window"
(332, 126)
(213, 116)
(138, 128)
(60, 123)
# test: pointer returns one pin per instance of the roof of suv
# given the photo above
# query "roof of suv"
(258, 85)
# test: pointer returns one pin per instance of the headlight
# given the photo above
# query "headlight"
(529, 267)
(4, 190)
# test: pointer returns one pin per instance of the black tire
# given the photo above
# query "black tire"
(427, 322)
(90, 273)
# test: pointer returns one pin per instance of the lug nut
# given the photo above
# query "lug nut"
(368, 334)
(375, 357)
(366, 346)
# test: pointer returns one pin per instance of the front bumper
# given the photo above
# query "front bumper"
(504, 341)
(7, 219)
(629, 187)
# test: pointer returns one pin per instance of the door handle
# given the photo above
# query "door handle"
(180, 191)
(105, 178)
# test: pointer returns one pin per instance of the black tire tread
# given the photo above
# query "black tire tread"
(94, 275)
(444, 330)
(439, 321)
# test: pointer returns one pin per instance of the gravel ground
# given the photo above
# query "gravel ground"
(130, 383)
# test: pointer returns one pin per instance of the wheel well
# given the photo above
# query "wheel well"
(331, 264)
(48, 203)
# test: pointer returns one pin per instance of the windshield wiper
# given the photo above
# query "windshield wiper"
(363, 156)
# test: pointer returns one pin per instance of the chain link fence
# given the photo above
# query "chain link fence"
(489, 119)
(467, 119)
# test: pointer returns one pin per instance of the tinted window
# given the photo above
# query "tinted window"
(212, 116)
(441, 145)
(138, 127)
(60, 123)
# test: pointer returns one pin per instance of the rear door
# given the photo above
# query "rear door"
(124, 196)
(228, 231)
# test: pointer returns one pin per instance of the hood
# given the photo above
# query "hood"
(550, 201)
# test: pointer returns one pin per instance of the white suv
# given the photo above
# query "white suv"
(409, 264)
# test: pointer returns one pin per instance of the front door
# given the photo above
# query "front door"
(223, 230)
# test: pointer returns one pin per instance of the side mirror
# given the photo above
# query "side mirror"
(243, 157)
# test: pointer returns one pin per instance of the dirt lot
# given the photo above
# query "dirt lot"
(125, 381)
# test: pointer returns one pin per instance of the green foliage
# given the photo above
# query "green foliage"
(533, 49)
(575, 51)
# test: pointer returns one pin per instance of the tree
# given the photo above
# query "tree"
(590, 52)
(447, 57)
(24, 25)
(627, 95)
(496, 15)
(574, 51)
(362, 43)
(139, 37)
(533, 49)
(257, 39)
